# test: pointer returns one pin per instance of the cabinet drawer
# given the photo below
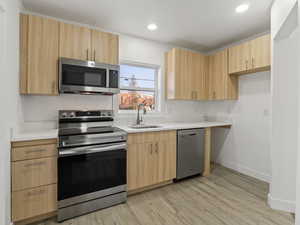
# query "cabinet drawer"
(33, 152)
(33, 173)
(34, 202)
(146, 137)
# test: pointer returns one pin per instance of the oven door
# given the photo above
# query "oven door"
(87, 173)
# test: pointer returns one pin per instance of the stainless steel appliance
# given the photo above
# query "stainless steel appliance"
(88, 77)
(190, 153)
(91, 163)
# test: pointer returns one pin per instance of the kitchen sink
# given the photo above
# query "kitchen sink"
(144, 126)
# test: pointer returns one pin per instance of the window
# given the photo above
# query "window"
(138, 86)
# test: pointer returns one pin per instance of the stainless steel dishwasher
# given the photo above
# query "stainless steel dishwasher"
(190, 153)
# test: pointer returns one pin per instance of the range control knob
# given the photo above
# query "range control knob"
(64, 115)
(72, 114)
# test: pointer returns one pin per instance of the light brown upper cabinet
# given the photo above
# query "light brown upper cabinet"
(261, 53)
(75, 42)
(105, 47)
(86, 44)
(185, 75)
(221, 85)
(39, 54)
(252, 56)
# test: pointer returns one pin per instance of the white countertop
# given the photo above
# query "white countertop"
(53, 133)
(177, 126)
(34, 135)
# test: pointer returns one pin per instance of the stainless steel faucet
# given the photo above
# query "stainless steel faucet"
(139, 118)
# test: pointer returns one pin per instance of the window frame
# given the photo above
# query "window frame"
(156, 86)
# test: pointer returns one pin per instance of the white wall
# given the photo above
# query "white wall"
(284, 128)
(9, 31)
(280, 11)
(245, 147)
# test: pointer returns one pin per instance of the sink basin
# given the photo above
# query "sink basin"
(144, 126)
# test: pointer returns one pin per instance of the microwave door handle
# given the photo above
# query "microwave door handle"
(90, 150)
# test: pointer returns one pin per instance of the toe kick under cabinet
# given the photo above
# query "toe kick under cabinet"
(33, 179)
(151, 159)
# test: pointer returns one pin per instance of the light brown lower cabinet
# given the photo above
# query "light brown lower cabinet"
(34, 180)
(151, 159)
(34, 202)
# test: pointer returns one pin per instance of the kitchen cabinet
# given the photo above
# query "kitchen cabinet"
(34, 180)
(261, 53)
(105, 47)
(151, 159)
(185, 75)
(75, 42)
(252, 56)
(221, 85)
(82, 43)
(39, 55)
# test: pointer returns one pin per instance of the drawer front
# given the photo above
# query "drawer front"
(146, 137)
(33, 173)
(34, 202)
(33, 152)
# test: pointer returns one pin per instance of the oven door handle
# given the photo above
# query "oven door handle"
(90, 150)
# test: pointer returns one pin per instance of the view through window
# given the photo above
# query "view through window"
(138, 86)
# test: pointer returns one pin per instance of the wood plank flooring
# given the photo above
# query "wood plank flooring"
(224, 198)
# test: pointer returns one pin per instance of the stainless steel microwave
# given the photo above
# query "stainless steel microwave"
(88, 77)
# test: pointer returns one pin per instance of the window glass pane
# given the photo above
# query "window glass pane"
(129, 100)
(136, 76)
(135, 83)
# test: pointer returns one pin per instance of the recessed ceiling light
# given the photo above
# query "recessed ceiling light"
(242, 8)
(152, 26)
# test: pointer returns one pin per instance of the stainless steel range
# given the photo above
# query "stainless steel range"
(91, 163)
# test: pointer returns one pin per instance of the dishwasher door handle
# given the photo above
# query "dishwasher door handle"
(184, 135)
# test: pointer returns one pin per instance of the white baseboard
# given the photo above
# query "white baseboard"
(247, 171)
(283, 205)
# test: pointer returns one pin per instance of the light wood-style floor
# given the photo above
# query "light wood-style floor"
(224, 198)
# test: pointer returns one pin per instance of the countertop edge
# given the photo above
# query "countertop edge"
(52, 134)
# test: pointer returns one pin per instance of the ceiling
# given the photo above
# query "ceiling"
(202, 25)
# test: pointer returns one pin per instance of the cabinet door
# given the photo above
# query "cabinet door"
(198, 74)
(166, 160)
(183, 83)
(261, 52)
(42, 66)
(139, 165)
(105, 47)
(239, 58)
(221, 84)
(75, 42)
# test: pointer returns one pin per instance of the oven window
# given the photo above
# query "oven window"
(83, 76)
(83, 174)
